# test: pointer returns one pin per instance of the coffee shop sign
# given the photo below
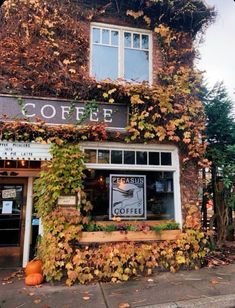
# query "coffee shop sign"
(63, 112)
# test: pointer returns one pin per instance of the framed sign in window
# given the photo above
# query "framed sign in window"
(127, 197)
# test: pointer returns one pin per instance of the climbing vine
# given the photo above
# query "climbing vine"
(61, 176)
(39, 57)
(45, 52)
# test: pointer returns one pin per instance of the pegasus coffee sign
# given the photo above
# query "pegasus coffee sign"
(127, 196)
(63, 111)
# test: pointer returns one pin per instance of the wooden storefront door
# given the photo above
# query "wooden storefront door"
(13, 193)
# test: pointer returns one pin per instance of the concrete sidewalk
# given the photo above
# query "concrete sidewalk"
(203, 288)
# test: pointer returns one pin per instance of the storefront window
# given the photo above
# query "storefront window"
(128, 157)
(159, 193)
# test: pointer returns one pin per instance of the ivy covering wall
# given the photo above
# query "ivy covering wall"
(64, 257)
(45, 52)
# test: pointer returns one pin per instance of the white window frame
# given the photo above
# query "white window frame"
(174, 167)
(121, 48)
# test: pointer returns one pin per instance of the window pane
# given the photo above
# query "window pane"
(105, 62)
(141, 158)
(96, 35)
(10, 163)
(35, 164)
(127, 39)
(103, 156)
(154, 158)
(145, 41)
(114, 38)
(116, 157)
(90, 155)
(105, 36)
(129, 157)
(23, 164)
(166, 159)
(136, 64)
(136, 40)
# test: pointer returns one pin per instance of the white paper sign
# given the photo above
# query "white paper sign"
(9, 193)
(7, 207)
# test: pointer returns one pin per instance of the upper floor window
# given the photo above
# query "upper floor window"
(119, 52)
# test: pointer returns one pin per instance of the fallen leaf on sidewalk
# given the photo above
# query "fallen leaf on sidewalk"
(124, 305)
(86, 298)
(150, 280)
(214, 281)
(37, 301)
(6, 278)
(31, 294)
(149, 271)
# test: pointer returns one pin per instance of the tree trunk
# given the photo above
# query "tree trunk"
(204, 200)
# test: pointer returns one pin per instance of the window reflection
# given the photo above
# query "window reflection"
(136, 65)
(105, 62)
(105, 36)
(141, 158)
(96, 35)
(129, 157)
(145, 41)
(127, 39)
(166, 159)
(116, 157)
(103, 156)
(114, 38)
(154, 158)
(136, 40)
(90, 155)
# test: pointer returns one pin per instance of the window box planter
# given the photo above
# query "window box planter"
(129, 236)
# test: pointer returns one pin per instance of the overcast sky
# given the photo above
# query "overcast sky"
(218, 49)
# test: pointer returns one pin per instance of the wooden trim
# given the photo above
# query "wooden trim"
(146, 222)
(14, 251)
(130, 236)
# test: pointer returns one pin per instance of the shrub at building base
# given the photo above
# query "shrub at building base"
(64, 258)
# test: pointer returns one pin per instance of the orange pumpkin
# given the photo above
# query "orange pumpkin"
(34, 266)
(33, 279)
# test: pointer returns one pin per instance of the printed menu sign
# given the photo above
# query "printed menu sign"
(8, 193)
(127, 196)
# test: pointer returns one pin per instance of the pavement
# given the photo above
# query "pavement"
(206, 287)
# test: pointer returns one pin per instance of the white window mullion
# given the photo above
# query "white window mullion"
(121, 55)
(91, 50)
(150, 59)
